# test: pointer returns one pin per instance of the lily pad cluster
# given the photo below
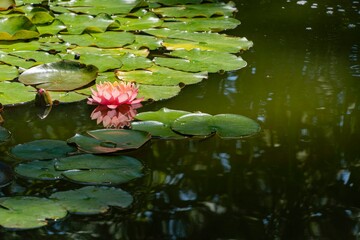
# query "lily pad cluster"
(67, 46)
(175, 124)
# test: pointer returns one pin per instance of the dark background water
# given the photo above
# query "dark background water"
(298, 179)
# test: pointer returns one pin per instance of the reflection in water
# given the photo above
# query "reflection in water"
(119, 117)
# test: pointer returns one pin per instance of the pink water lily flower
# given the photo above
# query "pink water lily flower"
(114, 94)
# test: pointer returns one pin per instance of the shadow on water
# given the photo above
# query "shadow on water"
(299, 179)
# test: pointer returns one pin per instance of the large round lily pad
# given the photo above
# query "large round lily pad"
(92, 200)
(41, 170)
(60, 76)
(193, 124)
(234, 126)
(29, 212)
(42, 149)
(12, 93)
(99, 169)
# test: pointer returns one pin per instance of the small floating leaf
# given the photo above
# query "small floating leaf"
(92, 200)
(59, 76)
(15, 93)
(28, 212)
(234, 126)
(43, 170)
(42, 149)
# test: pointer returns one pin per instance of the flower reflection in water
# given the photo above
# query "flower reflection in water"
(119, 117)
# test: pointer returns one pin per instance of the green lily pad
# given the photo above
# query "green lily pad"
(234, 126)
(6, 4)
(8, 72)
(67, 97)
(197, 10)
(157, 75)
(163, 115)
(19, 46)
(59, 76)
(16, 61)
(156, 129)
(29, 212)
(194, 124)
(99, 169)
(149, 20)
(12, 93)
(37, 56)
(211, 41)
(216, 24)
(109, 140)
(39, 15)
(4, 134)
(200, 61)
(42, 170)
(95, 7)
(175, 2)
(77, 24)
(42, 149)
(102, 40)
(55, 27)
(145, 41)
(17, 27)
(92, 200)
(157, 93)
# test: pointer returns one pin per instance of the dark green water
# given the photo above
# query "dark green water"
(299, 179)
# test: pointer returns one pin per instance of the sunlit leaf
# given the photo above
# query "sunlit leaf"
(149, 20)
(29, 212)
(156, 129)
(76, 24)
(95, 7)
(8, 72)
(15, 93)
(197, 10)
(164, 115)
(92, 200)
(213, 41)
(16, 61)
(202, 24)
(42, 170)
(6, 4)
(99, 169)
(42, 149)
(158, 92)
(161, 76)
(18, 46)
(200, 61)
(102, 40)
(39, 15)
(17, 27)
(145, 41)
(175, 2)
(60, 76)
(67, 97)
(53, 28)
(38, 56)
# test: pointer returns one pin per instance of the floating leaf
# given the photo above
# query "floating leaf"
(42, 170)
(234, 126)
(202, 24)
(95, 7)
(17, 27)
(76, 24)
(18, 46)
(198, 10)
(67, 97)
(164, 115)
(6, 175)
(12, 93)
(92, 200)
(99, 169)
(59, 76)
(157, 93)
(160, 76)
(102, 40)
(109, 140)
(197, 61)
(39, 15)
(42, 149)
(149, 20)
(156, 129)
(16, 61)
(4, 134)
(211, 41)
(37, 56)
(194, 124)
(8, 72)
(29, 212)
(6, 4)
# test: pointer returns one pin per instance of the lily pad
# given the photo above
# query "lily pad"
(157, 75)
(29, 212)
(8, 72)
(216, 24)
(156, 129)
(12, 93)
(4, 134)
(59, 76)
(42, 170)
(157, 93)
(99, 169)
(109, 140)
(6, 4)
(164, 115)
(92, 200)
(194, 124)
(149, 20)
(42, 149)
(234, 126)
(200, 61)
(17, 27)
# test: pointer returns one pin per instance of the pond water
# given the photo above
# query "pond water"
(298, 179)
